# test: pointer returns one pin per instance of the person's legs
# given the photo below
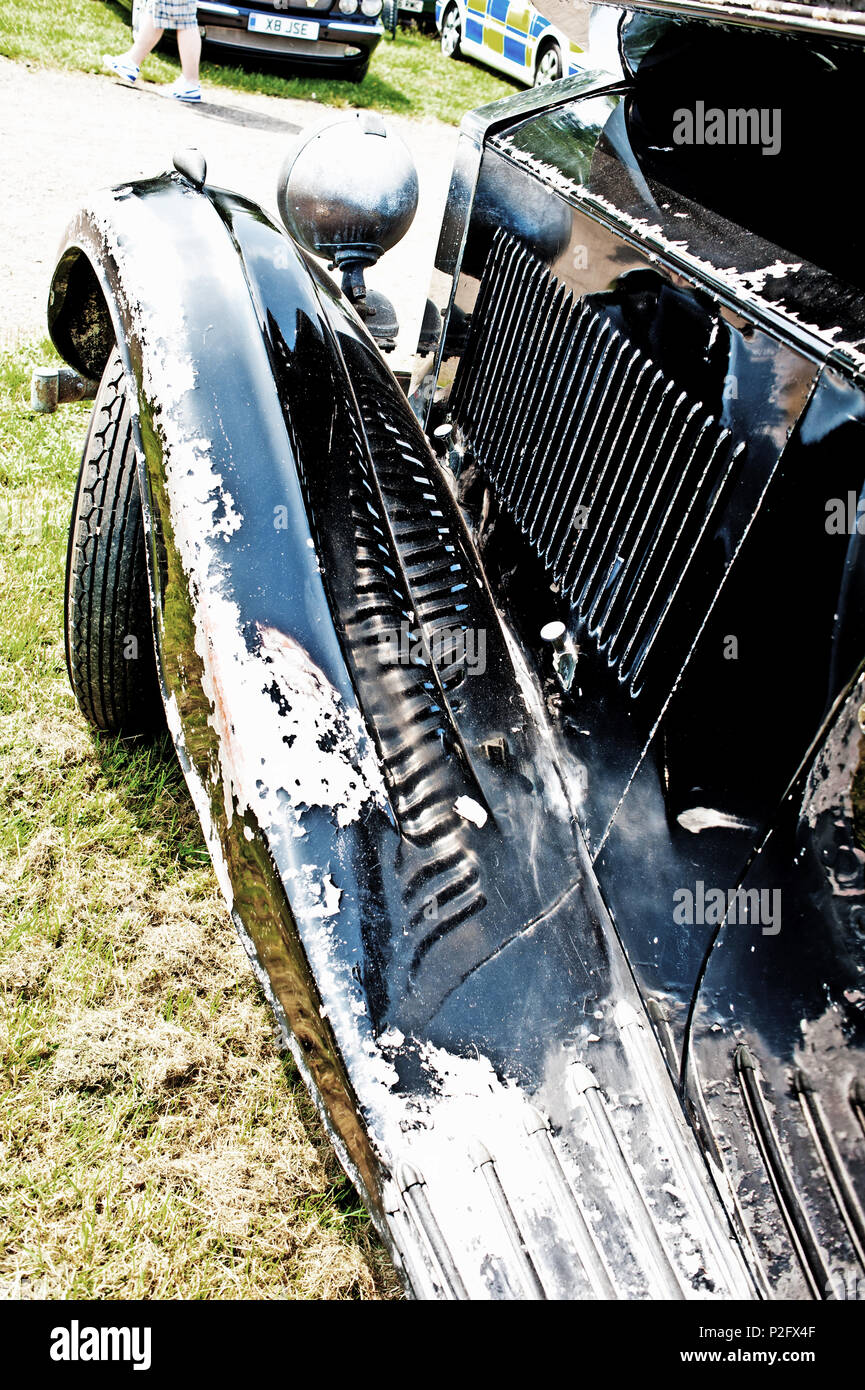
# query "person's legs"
(189, 47)
(126, 66)
(147, 38)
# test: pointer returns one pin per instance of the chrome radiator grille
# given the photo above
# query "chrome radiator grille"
(611, 471)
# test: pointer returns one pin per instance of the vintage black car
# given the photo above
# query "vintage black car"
(523, 710)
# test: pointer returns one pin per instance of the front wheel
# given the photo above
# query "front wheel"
(451, 33)
(110, 654)
(549, 68)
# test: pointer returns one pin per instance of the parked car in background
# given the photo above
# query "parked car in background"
(515, 38)
(423, 11)
(324, 34)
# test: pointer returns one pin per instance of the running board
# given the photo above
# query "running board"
(837, 1176)
(607, 1197)
(778, 1172)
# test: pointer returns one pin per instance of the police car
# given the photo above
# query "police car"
(515, 38)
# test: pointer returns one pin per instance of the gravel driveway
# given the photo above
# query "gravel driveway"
(66, 133)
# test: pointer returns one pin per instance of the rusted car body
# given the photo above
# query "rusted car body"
(523, 710)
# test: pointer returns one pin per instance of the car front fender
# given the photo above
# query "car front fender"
(397, 835)
(258, 698)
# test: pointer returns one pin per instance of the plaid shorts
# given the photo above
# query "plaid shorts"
(172, 14)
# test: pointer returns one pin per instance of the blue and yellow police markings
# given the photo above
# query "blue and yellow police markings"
(475, 15)
(507, 34)
(506, 29)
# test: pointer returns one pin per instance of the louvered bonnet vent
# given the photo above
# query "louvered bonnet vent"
(613, 473)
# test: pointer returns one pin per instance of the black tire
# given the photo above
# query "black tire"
(357, 74)
(451, 34)
(109, 635)
(549, 65)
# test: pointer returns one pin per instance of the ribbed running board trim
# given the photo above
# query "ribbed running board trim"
(654, 1085)
(412, 1185)
(833, 1165)
(485, 1164)
(587, 1248)
(779, 1175)
(586, 1088)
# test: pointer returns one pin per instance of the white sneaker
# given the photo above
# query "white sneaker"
(182, 90)
(119, 67)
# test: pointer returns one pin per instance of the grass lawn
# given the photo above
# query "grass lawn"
(154, 1139)
(408, 75)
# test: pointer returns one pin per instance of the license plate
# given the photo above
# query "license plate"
(283, 27)
(414, 5)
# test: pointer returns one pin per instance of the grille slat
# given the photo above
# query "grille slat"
(527, 353)
(542, 403)
(688, 561)
(578, 367)
(569, 373)
(468, 385)
(610, 430)
(646, 394)
(610, 470)
(663, 525)
(571, 493)
(539, 446)
(542, 384)
(504, 315)
(632, 544)
(526, 296)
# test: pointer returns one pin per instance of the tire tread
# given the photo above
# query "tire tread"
(107, 594)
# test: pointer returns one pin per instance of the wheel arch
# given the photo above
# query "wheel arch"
(188, 284)
(550, 39)
(79, 318)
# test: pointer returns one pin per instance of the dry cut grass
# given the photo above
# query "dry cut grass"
(155, 1141)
